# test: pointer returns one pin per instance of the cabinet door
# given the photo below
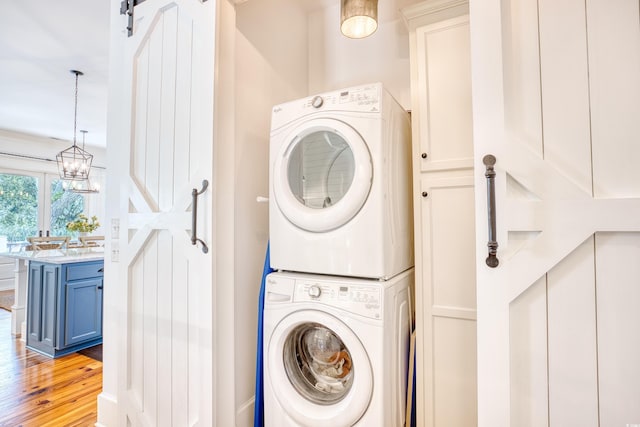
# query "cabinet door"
(50, 280)
(41, 322)
(34, 303)
(83, 317)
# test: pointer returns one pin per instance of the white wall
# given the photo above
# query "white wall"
(336, 61)
(266, 74)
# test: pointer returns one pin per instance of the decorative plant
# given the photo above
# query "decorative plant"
(83, 224)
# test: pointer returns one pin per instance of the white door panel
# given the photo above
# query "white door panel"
(551, 107)
(166, 359)
(618, 317)
(528, 355)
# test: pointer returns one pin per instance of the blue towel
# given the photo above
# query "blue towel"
(258, 413)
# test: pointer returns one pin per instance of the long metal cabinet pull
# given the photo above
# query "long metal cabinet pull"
(489, 161)
(194, 215)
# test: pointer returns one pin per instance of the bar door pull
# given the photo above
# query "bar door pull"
(194, 216)
(489, 161)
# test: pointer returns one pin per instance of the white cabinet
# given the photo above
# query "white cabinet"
(444, 214)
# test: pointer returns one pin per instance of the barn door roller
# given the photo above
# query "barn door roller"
(126, 8)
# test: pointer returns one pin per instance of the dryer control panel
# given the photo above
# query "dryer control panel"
(364, 300)
(361, 98)
(358, 99)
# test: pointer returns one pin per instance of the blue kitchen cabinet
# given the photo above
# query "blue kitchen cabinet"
(64, 306)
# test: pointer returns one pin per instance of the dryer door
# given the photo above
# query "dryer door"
(322, 175)
(320, 370)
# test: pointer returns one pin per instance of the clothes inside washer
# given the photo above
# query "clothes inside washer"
(329, 374)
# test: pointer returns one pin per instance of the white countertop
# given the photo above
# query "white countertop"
(59, 256)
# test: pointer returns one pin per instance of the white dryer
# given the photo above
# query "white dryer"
(335, 350)
(340, 185)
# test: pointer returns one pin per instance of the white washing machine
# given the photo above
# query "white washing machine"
(340, 185)
(335, 350)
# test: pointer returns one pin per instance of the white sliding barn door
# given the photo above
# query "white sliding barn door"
(556, 99)
(165, 348)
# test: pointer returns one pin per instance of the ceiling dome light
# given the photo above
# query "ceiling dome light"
(358, 18)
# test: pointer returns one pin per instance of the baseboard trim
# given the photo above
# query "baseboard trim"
(107, 410)
(244, 413)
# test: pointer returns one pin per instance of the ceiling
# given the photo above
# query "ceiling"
(41, 41)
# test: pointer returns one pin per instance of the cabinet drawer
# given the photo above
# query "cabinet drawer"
(83, 271)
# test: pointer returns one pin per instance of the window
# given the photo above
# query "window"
(65, 207)
(18, 209)
(34, 203)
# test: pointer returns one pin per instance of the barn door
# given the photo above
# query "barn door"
(555, 100)
(165, 351)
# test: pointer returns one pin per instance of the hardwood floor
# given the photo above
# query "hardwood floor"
(37, 391)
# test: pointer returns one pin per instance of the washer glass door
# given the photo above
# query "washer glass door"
(318, 364)
(319, 369)
(322, 175)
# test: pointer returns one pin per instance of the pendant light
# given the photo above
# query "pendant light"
(74, 163)
(358, 18)
(81, 186)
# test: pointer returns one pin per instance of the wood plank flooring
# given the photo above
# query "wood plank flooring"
(37, 391)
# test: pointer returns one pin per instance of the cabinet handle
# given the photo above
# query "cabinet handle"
(194, 215)
(99, 287)
(489, 161)
(423, 155)
(101, 270)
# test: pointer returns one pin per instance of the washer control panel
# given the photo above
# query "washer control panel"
(362, 299)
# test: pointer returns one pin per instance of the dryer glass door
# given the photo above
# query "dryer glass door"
(322, 175)
(320, 169)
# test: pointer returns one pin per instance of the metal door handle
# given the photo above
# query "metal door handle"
(489, 161)
(194, 215)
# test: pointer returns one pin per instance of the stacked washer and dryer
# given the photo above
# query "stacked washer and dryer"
(337, 311)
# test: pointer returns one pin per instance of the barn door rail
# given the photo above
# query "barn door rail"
(194, 215)
(489, 161)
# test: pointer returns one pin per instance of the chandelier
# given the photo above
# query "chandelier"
(84, 186)
(74, 163)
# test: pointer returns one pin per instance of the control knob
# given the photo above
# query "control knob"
(315, 291)
(317, 102)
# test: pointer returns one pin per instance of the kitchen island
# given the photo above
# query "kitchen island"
(58, 293)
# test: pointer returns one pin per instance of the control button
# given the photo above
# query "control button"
(317, 102)
(314, 291)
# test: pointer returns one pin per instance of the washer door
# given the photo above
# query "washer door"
(322, 175)
(319, 369)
